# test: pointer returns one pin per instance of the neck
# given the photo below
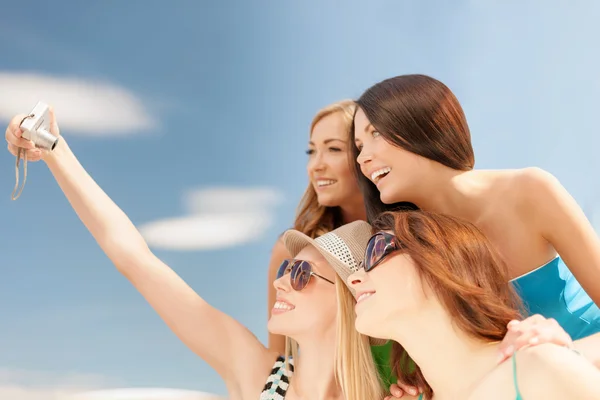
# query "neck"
(314, 376)
(353, 211)
(449, 191)
(437, 347)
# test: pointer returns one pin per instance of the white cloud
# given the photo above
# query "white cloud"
(217, 218)
(146, 394)
(93, 108)
(230, 198)
(38, 385)
(41, 385)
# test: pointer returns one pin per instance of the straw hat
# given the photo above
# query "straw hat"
(343, 248)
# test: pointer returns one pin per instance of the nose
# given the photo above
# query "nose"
(357, 278)
(317, 163)
(364, 157)
(283, 284)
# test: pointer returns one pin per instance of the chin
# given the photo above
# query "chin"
(277, 327)
(328, 200)
(388, 196)
(362, 325)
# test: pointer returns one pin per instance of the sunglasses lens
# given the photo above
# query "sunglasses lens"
(300, 275)
(284, 268)
(379, 246)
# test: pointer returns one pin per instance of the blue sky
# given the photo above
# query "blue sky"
(195, 115)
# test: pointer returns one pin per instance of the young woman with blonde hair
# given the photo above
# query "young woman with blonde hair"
(332, 197)
(313, 304)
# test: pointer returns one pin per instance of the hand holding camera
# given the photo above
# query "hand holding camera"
(31, 137)
(35, 133)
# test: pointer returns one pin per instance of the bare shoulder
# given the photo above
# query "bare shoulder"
(554, 372)
(534, 179)
(546, 371)
(524, 188)
(524, 180)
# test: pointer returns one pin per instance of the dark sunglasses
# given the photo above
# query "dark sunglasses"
(381, 245)
(300, 273)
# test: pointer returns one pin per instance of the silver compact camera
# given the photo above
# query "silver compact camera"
(36, 127)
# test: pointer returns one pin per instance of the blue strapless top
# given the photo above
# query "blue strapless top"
(553, 292)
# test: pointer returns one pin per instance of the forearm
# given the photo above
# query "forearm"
(112, 229)
(589, 347)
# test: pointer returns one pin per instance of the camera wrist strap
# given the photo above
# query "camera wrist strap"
(17, 162)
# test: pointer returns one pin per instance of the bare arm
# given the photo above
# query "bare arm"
(231, 349)
(563, 224)
(537, 329)
(589, 347)
(279, 253)
(555, 373)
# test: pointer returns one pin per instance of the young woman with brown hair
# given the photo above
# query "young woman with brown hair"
(413, 150)
(435, 285)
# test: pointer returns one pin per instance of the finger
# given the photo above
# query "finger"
(537, 318)
(396, 391)
(509, 340)
(412, 390)
(552, 336)
(527, 338)
(12, 149)
(14, 126)
(53, 124)
(513, 324)
(19, 141)
(32, 155)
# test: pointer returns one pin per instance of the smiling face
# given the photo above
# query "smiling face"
(389, 292)
(328, 165)
(421, 265)
(396, 172)
(311, 311)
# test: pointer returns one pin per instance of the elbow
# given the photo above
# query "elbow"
(124, 252)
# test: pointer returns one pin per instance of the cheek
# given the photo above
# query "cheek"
(343, 171)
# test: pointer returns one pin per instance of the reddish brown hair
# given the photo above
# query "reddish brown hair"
(419, 114)
(462, 269)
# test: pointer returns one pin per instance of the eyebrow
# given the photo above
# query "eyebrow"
(328, 141)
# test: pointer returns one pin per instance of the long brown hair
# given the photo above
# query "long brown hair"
(463, 270)
(312, 218)
(419, 114)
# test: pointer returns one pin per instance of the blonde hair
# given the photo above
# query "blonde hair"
(355, 368)
(312, 218)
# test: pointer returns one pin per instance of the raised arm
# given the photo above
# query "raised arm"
(232, 350)
(279, 253)
(560, 220)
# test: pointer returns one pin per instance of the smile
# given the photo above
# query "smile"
(380, 173)
(325, 182)
(281, 307)
(364, 296)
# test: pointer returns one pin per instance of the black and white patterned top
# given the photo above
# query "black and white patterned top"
(279, 380)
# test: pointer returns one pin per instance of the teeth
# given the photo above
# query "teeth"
(363, 296)
(324, 182)
(375, 175)
(280, 305)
